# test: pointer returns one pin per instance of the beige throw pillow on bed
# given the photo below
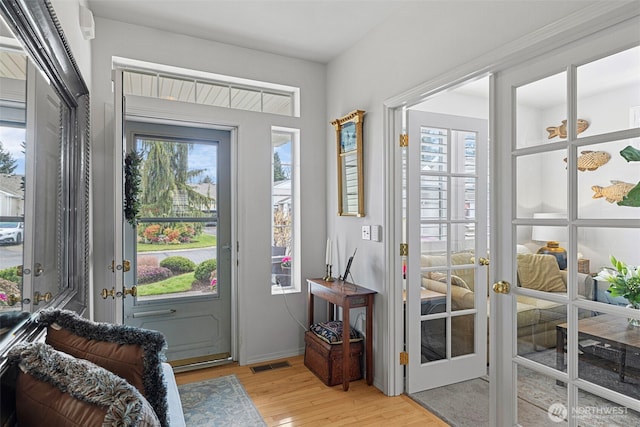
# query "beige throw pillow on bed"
(540, 272)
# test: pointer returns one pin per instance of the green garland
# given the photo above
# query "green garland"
(132, 184)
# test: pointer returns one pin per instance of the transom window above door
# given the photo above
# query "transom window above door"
(176, 84)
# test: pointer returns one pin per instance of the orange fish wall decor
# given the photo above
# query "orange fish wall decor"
(613, 193)
(561, 130)
(591, 160)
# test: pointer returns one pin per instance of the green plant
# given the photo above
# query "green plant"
(178, 264)
(10, 274)
(631, 154)
(175, 284)
(624, 281)
(203, 271)
(132, 183)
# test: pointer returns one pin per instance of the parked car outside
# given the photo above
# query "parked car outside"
(11, 232)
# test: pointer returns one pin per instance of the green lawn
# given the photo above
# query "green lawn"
(202, 241)
(181, 283)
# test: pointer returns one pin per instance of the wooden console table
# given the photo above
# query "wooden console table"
(346, 295)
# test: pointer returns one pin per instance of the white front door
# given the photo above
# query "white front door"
(177, 253)
(181, 247)
(565, 353)
(446, 302)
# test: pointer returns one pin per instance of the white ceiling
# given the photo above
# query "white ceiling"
(315, 30)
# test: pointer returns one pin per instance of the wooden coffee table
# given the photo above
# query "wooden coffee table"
(606, 329)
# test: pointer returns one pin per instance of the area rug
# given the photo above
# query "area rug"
(218, 402)
(466, 404)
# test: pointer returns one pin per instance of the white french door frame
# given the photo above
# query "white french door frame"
(588, 21)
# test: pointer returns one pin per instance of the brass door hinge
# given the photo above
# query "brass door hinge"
(404, 249)
(404, 140)
(404, 358)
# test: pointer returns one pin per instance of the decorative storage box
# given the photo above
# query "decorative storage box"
(325, 360)
(583, 266)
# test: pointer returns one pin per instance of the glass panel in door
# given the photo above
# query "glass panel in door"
(448, 304)
(176, 257)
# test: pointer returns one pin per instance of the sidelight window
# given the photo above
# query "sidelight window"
(284, 259)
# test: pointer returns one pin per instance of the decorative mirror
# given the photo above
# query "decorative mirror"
(44, 110)
(350, 177)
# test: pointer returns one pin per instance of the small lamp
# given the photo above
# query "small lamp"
(552, 235)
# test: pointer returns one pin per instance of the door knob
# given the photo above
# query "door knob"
(13, 299)
(502, 287)
(37, 297)
(105, 293)
(133, 292)
(483, 261)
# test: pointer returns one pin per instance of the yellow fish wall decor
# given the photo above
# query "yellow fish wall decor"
(561, 130)
(591, 160)
(613, 193)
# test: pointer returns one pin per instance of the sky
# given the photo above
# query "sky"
(11, 139)
(284, 151)
(204, 156)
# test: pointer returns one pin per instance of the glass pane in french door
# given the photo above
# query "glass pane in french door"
(447, 214)
(605, 178)
(541, 111)
(177, 236)
(541, 180)
(608, 350)
(608, 95)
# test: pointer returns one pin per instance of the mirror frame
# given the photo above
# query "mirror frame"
(36, 26)
(347, 148)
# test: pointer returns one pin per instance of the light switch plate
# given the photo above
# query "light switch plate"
(375, 233)
(366, 232)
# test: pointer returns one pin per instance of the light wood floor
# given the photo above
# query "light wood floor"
(293, 396)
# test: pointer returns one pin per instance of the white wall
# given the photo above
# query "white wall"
(266, 331)
(418, 43)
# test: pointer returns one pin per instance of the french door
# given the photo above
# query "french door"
(446, 301)
(563, 123)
